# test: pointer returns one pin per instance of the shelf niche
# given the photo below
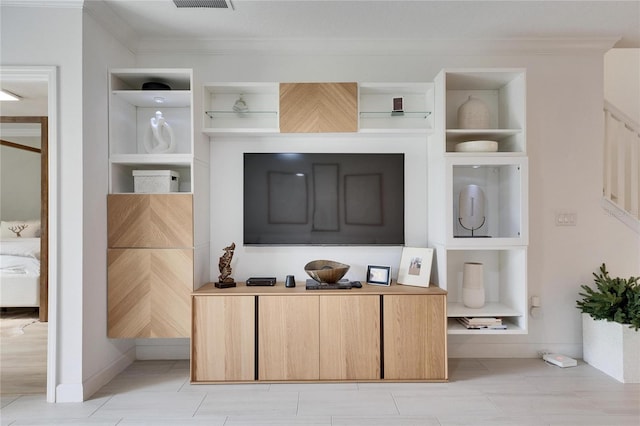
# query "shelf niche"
(505, 283)
(503, 186)
(503, 93)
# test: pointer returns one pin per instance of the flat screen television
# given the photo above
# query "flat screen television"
(323, 199)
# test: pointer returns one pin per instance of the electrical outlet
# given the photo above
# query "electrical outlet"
(566, 218)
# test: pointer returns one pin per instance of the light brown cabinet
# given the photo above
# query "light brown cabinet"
(149, 265)
(302, 335)
(288, 339)
(223, 338)
(415, 335)
(350, 337)
(318, 107)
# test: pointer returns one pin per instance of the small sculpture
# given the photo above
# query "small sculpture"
(159, 138)
(224, 265)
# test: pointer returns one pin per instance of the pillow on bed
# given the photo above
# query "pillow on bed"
(30, 229)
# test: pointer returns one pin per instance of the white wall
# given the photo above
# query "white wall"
(565, 140)
(103, 357)
(23, 43)
(54, 36)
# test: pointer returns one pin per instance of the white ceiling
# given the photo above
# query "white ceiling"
(384, 20)
(159, 23)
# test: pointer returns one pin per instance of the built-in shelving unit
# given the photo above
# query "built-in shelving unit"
(158, 244)
(130, 110)
(376, 107)
(261, 100)
(500, 243)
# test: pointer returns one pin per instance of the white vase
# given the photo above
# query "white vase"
(473, 114)
(473, 285)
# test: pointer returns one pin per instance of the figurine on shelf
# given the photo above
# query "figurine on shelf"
(159, 138)
(224, 265)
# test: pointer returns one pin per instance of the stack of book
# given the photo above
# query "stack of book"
(482, 322)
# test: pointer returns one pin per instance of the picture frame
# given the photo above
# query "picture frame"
(398, 104)
(378, 275)
(415, 266)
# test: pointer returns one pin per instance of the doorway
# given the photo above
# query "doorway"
(37, 86)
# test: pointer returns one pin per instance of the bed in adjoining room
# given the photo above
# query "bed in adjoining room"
(19, 264)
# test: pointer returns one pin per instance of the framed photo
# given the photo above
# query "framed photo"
(398, 104)
(415, 266)
(379, 275)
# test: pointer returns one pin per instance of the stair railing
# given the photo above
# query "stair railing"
(621, 164)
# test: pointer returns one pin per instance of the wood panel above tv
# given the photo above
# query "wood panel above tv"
(318, 107)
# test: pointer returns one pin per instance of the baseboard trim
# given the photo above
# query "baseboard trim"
(104, 376)
(162, 349)
(507, 350)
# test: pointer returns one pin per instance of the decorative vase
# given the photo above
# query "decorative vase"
(473, 114)
(473, 285)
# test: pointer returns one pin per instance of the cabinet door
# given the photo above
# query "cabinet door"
(223, 338)
(148, 292)
(415, 337)
(288, 338)
(150, 220)
(349, 337)
(318, 107)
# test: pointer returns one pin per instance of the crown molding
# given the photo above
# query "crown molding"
(112, 23)
(533, 46)
(77, 4)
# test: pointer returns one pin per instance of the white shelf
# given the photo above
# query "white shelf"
(155, 98)
(149, 159)
(490, 309)
(376, 105)
(454, 327)
(262, 99)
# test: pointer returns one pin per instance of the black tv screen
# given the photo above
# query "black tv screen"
(323, 199)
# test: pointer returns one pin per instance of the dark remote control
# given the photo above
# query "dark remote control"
(356, 284)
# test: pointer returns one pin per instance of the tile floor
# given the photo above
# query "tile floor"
(480, 392)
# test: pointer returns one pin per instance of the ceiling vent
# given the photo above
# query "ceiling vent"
(213, 4)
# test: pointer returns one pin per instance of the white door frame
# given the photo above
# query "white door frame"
(49, 75)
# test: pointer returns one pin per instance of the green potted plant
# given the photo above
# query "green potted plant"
(610, 324)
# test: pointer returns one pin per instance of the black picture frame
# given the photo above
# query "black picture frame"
(378, 275)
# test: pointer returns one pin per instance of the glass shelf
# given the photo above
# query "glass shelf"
(406, 114)
(247, 114)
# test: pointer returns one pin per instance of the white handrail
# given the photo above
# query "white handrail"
(622, 160)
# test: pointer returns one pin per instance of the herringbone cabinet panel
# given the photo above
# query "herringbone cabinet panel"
(318, 107)
(149, 292)
(150, 220)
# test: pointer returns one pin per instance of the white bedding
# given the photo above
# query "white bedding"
(19, 272)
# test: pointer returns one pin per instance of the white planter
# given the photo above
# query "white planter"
(612, 348)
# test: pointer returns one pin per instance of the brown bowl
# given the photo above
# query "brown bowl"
(326, 271)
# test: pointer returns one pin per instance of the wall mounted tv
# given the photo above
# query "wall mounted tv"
(323, 199)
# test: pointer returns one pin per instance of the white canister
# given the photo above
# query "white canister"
(474, 114)
(473, 285)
